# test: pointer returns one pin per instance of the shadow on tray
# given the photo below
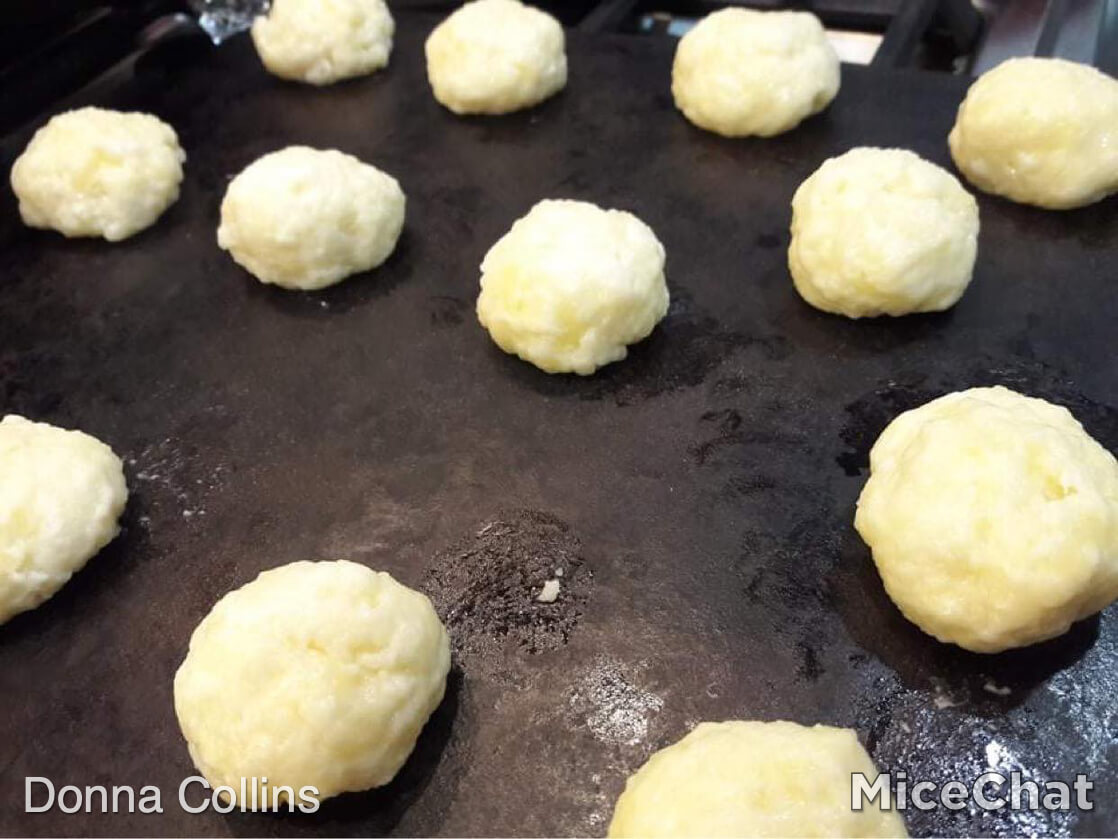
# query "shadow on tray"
(998, 681)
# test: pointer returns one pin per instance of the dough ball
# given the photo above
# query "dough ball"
(572, 285)
(993, 519)
(1041, 131)
(306, 219)
(61, 493)
(741, 779)
(93, 172)
(496, 56)
(319, 43)
(740, 72)
(314, 674)
(882, 232)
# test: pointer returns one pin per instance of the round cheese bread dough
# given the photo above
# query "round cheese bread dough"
(496, 56)
(571, 285)
(322, 42)
(882, 232)
(61, 493)
(94, 172)
(741, 72)
(314, 674)
(1040, 131)
(744, 779)
(993, 519)
(305, 219)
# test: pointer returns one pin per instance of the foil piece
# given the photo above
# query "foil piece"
(223, 18)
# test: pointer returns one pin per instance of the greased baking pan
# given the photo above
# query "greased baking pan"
(700, 493)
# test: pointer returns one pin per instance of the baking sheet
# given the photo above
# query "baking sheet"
(703, 489)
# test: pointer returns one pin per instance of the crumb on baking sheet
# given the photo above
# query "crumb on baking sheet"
(549, 593)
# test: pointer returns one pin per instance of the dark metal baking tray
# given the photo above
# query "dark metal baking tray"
(701, 492)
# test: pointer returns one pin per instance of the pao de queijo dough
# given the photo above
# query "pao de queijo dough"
(882, 232)
(319, 43)
(571, 285)
(1040, 131)
(742, 73)
(745, 778)
(314, 675)
(496, 56)
(992, 518)
(96, 172)
(61, 493)
(303, 218)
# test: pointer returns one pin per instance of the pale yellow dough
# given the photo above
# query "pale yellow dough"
(302, 218)
(61, 493)
(314, 674)
(741, 72)
(1040, 131)
(324, 41)
(882, 232)
(571, 285)
(496, 56)
(993, 519)
(742, 779)
(95, 172)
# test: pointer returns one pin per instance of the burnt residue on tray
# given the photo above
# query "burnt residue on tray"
(868, 415)
(487, 586)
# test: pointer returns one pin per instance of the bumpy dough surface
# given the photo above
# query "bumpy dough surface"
(741, 72)
(61, 493)
(993, 519)
(882, 232)
(1040, 131)
(324, 41)
(94, 172)
(314, 674)
(743, 779)
(571, 285)
(496, 56)
(305, 219)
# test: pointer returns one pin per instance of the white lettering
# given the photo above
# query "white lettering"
(28, 807)
(308, 800)
(77, 795)
(862, 792)
(978, 791)
(193, 779)
(151, 800)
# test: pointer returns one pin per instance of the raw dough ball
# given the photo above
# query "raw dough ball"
(739, 779)
(303, 218)
(61, 493)
(1040, 131)
(93, 172)
(496, 56)
(571, 285)
(882, 232)
(314, 674)
(740, 72)
(993, 519)
(316, 42)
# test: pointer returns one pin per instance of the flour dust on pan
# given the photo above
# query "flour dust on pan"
(517, 583)
(612, 703)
